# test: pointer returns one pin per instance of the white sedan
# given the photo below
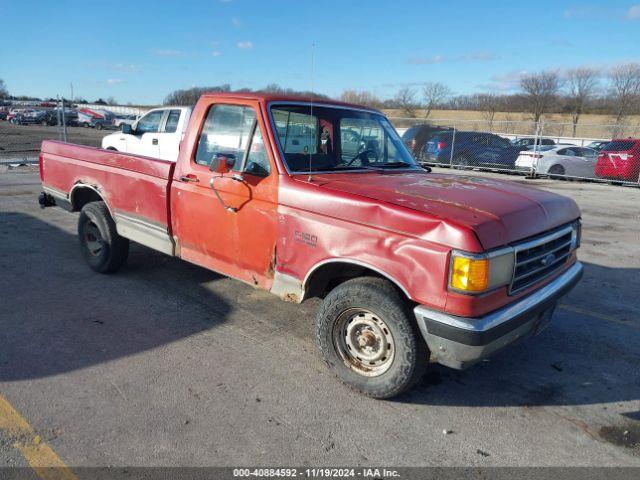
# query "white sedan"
(560, 160)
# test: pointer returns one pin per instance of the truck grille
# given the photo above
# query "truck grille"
(538, 258)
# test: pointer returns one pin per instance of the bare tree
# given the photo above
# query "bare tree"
(3, 89)
(582, 84)
(434, 94)
(363, 97)
(540, 91)
(488, 103)
(405, 100)
(625, 86)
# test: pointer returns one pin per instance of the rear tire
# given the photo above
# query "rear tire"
(104, 250)
(463, 162)
(368, 337)
(557, 172)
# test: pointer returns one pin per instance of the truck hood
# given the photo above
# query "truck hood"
(499, 212)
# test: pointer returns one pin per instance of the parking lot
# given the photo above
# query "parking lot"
(166, 363)
(23, 141)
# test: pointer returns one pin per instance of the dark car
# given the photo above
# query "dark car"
(417, 136)
(531, 141)
(598, 145)
(102, 124)
(52, 117)
(470, 149)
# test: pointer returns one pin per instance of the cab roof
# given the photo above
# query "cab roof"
(271, 97)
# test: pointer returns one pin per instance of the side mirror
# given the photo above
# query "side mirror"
(127, 129)
(222, 162)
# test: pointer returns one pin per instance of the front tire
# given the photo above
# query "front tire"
(104, 250)
(367, 336)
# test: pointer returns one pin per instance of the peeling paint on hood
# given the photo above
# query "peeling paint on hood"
(499, 212)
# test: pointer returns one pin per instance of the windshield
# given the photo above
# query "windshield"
(321, 138)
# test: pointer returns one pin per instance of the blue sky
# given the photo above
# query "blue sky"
(138, 51)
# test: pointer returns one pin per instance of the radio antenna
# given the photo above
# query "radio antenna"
(311, 132)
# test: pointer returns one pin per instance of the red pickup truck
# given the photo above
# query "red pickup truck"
(308, 199)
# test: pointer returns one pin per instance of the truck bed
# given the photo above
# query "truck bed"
(140, 208)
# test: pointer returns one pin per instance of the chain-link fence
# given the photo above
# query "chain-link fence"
(23, 126)
(554, 150)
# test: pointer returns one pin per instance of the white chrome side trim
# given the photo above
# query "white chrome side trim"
(288, 288)
(144, 232)
(55, 193)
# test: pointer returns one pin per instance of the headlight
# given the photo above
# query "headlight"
(576, 234)
(478, 273)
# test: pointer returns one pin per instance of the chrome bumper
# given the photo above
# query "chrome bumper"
(458, 342)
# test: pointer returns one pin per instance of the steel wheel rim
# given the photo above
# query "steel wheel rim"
(93, 239)
(364, 342)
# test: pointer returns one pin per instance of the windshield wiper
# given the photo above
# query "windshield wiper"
(395, 165)
(334, 168)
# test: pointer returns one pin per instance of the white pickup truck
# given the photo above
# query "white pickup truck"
(157, 134)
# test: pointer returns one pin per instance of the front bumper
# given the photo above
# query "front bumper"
(459, 342)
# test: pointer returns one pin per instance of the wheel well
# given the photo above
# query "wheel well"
(83, 195)
(328, 276)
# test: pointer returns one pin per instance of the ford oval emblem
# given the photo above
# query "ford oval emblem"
(548, 260)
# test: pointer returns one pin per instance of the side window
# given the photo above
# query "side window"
(172, 121)
(562, 152)
(226, 130)
(257, 159)
(150, 123)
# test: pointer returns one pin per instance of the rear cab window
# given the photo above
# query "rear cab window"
(173, 118)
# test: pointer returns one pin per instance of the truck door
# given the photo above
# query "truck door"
(144, 140)
(228, 222)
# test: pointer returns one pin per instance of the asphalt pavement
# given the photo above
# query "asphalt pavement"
(166, 363)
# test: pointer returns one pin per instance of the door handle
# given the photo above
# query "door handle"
(154, 141)
(189, 178)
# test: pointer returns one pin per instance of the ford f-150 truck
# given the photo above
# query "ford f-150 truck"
(412, 266)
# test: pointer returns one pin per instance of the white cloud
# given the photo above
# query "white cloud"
(168, 52)
(245, 45)
(216, 53)
(634, 13)
(466, 57)
(126, 67)
(118, 67)
(236, 22)
(506, 82)
(114, 81)
(427, 60)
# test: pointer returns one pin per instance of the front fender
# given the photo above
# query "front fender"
(307, 241)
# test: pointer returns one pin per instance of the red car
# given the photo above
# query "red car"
(619, 160)
(411, 265)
